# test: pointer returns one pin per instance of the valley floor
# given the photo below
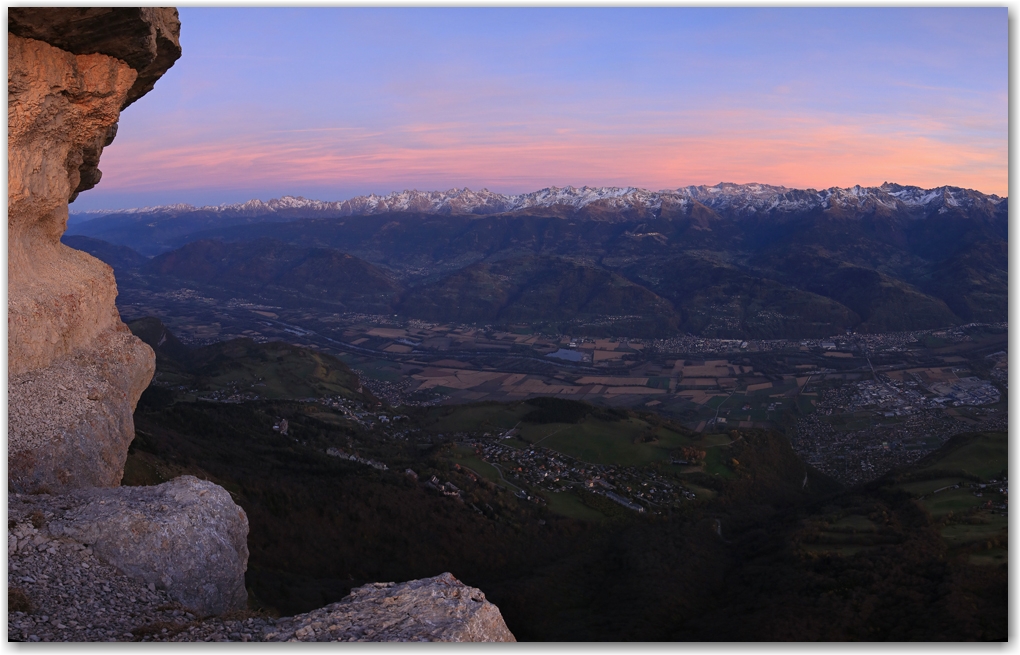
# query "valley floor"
(855, 405)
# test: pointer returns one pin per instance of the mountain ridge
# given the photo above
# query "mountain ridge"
(747, 199)
(744, 261)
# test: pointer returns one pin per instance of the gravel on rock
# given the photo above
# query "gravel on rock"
(72, 596)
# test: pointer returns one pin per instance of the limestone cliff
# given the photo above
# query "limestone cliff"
(75, 372)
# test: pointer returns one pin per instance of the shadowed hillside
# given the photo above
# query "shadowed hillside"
(734, 261)
(542, 291)
(274, 268)
(237, 367)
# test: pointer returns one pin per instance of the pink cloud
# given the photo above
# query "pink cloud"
(660, 151)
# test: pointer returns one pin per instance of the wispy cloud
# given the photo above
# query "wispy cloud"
(732, 145)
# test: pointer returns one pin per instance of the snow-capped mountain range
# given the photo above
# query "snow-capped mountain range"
(741, 199)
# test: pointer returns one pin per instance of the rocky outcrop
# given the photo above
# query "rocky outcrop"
(69, 424)
(147, 39)
(74, 370)
(433, 609)
(186, 537)
(59, 590)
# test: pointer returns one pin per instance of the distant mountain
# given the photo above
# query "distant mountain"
(121, 258)
(269, 266)
(728, 260)
(544, 292)
(739, 198)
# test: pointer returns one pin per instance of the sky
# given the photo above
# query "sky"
(331, 103)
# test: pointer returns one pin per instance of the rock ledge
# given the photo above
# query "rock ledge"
(433, 609)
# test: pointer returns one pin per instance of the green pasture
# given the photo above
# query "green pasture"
(993, 557)
(854, 523)
(284, 375)
(715, 402)
(568, 504)
(984, 527)
(984, 455)
(843, 550)
(477, 418)
(717, 462)
(630, 442)
(804, 405)
(923, 487)
(952, 500)
(701, 492)
(380, 369)
(465, 456)
(714, 440)
(320, 413)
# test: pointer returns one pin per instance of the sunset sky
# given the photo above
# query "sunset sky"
(331, 103)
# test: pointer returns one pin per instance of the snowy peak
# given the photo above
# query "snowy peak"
(738, 199)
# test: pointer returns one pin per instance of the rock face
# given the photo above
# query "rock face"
(433, 609)
(145, 38)
(69, 423)
(74, 370)
(185, 536)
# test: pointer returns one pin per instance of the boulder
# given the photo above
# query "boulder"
(186, 536)
(432, 609)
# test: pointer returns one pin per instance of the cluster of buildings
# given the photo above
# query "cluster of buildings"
(849, 342)
(884, 399)
(896, 432)
(232, 395)
(445, 488)
(547, 470)
(336, 452)
(989, 490)
(690, 344)
(966, 391)
(398, 393)
(368, 418)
